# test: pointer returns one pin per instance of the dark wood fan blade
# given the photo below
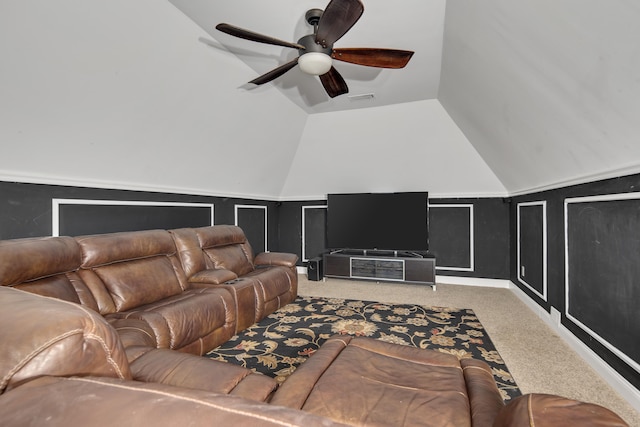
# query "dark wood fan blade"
(372, 57)
(275, 73)
(255, 37)
(338, 17)
(333, 83)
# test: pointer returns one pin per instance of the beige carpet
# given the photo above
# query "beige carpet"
(538, 359)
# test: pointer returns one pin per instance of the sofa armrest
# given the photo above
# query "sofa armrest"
(136, 336)
(545, 410)
(275, 258)
(47, 336)
(107, 402)
(195, 372)
(484, 397)
(212, 276)
(294, 392)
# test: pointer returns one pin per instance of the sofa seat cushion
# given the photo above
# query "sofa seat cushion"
(105, 402)
(195, 321)
(190, 371)
(362, 381)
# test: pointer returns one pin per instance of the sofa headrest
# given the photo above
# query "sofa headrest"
(189, 250)
(220, 235)
(46, 336)
(24, 260)
(103, 249)
(227, 248)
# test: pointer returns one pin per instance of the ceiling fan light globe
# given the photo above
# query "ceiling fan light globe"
(315, 63)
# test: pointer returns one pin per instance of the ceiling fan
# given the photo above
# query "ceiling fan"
(316, 51)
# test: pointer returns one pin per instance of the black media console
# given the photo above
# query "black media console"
(396, 266)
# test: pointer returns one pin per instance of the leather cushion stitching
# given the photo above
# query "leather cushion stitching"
(189, 399)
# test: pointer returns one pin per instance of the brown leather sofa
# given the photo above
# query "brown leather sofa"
(62, 364)
(222, 255)
(138, 278)
(108, 341)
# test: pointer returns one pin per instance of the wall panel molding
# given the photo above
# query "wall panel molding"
(253, 221)
(540, 289)
(602, 275)
(313, 229)
(465, 228)
(106, 206)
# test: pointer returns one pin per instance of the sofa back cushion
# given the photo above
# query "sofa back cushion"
(45, 266)
(189, 251)
(47, 336)
(226, 247)
(139, 282)
(127, 270)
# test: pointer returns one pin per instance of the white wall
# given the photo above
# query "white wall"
(121, 94)
(548, 92)
(403, 147)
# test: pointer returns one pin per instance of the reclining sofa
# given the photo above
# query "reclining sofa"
(189, 289)
(108, 330)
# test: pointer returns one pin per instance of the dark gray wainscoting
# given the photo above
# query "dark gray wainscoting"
(590, 260)
(29, 210)
(470, 237)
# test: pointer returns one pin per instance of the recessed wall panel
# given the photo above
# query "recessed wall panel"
(532, 247)
(253, 221)
(602, 270)
(314, 231)
(77, 217)
(451, 238)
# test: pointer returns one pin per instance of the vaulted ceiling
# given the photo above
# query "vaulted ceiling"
(500, 98)
(414, 25)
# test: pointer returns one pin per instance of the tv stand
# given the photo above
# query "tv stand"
(395, 266)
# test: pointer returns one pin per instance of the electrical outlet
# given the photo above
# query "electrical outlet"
(522, 270)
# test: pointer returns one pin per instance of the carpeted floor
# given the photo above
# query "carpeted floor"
(286, 338)
(538, 359)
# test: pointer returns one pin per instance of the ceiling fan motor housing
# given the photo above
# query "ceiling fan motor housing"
(310, 45)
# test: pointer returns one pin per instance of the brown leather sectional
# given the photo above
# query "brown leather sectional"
(138, 278)
(111, 328)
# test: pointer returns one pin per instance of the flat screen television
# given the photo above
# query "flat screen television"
(381, 221)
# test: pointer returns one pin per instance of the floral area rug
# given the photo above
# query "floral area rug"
(285, 339)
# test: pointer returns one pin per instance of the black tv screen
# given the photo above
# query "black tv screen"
(384, 221)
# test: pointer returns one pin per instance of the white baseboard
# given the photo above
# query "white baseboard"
(473, 281)
(455, 280)
(608, 374)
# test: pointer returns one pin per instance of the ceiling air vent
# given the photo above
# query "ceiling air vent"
(361, 97)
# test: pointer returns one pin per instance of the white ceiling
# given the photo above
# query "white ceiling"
(415, 25)
(547, 91)
(500, 98)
